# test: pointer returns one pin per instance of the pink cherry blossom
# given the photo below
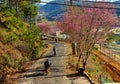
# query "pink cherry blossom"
(87, 26)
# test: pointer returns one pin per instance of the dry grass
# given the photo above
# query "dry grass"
(93, 68)
(8, 73)
(71, 64)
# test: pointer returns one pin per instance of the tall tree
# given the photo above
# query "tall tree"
(28, 11)
(87, 26)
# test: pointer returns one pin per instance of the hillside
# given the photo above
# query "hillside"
(54, 12)
(20, 42)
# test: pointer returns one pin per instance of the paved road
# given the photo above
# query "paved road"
(35, 74)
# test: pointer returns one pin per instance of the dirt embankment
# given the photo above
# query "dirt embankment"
(9, 61)
(111, 66)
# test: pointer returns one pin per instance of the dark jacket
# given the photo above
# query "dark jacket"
(47, 63)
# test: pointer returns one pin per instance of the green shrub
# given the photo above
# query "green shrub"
(10, 62)
(16, 64)
(24, 60)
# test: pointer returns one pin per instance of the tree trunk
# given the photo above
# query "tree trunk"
(17, 11)
(73, 48)
(84, 66)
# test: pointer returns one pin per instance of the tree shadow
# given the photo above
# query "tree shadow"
(76, 75)
(73, 75)
(80, 75)
(34, 75)
(34, 70)
(53, 76)
(47, 56)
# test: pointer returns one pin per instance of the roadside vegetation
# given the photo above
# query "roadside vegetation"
(20, 39)
(94, 69)
(86, 27)
(112, 40)
(97, 72)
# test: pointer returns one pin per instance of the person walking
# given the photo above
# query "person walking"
(47, 65)
(54, 51)
(56, 40)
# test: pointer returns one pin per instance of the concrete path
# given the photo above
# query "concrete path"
(36, 75)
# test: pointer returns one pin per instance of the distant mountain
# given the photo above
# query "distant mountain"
(53, 11)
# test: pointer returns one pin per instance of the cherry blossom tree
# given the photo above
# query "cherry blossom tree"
(44, 27)
(87, 26)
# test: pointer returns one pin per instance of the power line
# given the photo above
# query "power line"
(99, 2)
(86, 6)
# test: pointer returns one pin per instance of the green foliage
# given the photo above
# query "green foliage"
(105, 79)
(8, 60)
(28, 11)
(35, 53)
(18, 34)
(96, 72)
(5, 16)
(94, 58)
(113, 37)
(24, 9)
(10, 38)
(12, 27)
(33, 11)
(24, 60)
(35, 42)
(32, 37)
(36, 0)
(13, 11)
(11, 62)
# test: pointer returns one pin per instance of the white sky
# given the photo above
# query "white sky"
(46, 1)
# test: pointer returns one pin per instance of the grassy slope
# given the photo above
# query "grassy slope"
(93, 68)
(18, 43)
(96, 71)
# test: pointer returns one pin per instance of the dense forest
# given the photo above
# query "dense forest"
(20, 39)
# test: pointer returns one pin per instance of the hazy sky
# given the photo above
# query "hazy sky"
(46, 1)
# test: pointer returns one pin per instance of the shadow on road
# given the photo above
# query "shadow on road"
(48, 56)
(34, 75)
(53, 76)
(32, 70)
(76, 74)
(73, 75)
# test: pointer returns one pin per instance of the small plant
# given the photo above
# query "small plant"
(103, 78)
(9, 61)
(94, 57)
(12, 63)
(16, 64)
(35, 53)
(24, 60)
